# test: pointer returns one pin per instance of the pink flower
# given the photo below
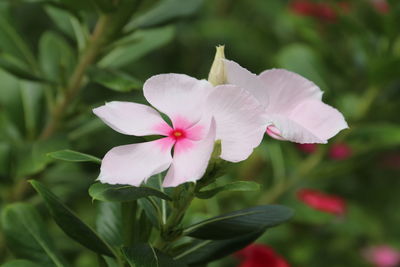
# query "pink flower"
(340, 151)
(307, 148)
(200, 115)
(382, 256)
(293, 105)
(258, 255)
(322, 202)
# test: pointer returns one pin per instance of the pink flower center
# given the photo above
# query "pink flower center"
(177, 134)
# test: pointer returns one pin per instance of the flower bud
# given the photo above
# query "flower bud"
(217, 74)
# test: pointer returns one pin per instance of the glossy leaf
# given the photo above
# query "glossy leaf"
(109, 222)
(115, 80)
(234, 186)
(27, 235)
(166, 11)
(70, 223)
(204, 251)
(240, 222)
(137, 45)
(143, 255)
(74, 156)
(123, 193)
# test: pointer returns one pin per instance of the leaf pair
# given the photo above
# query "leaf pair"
(225, 234)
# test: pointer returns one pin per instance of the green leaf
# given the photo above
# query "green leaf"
(27, 235)
(31, 158)
(115, 80)
(143, 255)
(235, 186)
(164, 12)
(70, 223)
(17, 68)
(56, 57)
(109, 222)
(240, 222)
(12, 43)
(20, 263)
(204, 251)
(74, 156)
(137, 45)
(123, 193)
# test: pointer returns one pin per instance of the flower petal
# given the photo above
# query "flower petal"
(133, 164)
(237, 75)
(287, 89)
(132, 118)
(240, 121)
(190, 159)
(311, 121)
(177, 95)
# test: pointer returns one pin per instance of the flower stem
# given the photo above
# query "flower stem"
(171, 230)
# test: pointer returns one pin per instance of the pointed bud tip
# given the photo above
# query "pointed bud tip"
(217, 74)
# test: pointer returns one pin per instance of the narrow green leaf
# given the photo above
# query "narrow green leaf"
(240, 222)
(115, 80)
(143, 255)
(18, 68)
(27, 235)
(56, 57)
(20, 263)
(31, 158)
(70, 223)
(164, 12)
(11, 42)
(204, 251)
(109, 222)
(137, 45)
(234, 186)
(123, 193)
(74, 156)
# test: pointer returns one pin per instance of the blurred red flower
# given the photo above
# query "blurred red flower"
(322, 11)
(258, 255)
(381, 6)
(322, 202)
(382, 256)
(307, 148)
(340, 151)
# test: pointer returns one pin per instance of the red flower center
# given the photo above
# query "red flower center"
(177, 134)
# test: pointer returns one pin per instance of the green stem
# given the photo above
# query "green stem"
(172, 230)
(93, 49)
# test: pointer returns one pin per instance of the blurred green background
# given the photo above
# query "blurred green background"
(353, 55)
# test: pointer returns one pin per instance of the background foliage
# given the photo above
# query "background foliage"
(49, 83)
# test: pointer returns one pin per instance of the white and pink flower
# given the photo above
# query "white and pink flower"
(293, 105)
(200, 114)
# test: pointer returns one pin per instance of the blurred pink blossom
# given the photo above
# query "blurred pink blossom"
(340, 151)
(382, 256)
(307, 148)
(381, 6)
